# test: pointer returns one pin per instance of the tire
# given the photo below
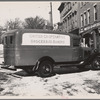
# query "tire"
(45, 69)
(96, 64)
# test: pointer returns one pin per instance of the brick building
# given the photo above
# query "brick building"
(69, 16)
(89, 14)
(89, 22)
(81, 18)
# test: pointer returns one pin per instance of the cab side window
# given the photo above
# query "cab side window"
(76, 42)
(8, 40)
(5, 40)
(11, 39)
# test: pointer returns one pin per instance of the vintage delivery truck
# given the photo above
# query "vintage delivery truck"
(40, 50)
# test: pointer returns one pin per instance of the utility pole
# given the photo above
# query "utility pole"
(51, 18)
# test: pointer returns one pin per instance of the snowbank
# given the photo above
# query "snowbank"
(1, 47)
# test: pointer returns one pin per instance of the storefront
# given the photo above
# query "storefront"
(90, 36)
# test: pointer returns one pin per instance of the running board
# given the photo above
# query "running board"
(9, 68)
(66, 65)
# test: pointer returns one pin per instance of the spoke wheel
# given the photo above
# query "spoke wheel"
(96, 64)
(45, 69)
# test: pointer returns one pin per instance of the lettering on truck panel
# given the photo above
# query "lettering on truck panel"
(47, 39)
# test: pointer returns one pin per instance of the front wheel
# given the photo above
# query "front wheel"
(96, 63)
(45, 69)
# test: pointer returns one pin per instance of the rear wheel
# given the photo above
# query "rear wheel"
(45, 69)
(96, 63)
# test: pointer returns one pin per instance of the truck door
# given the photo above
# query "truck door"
(77, 50)
(9, 49)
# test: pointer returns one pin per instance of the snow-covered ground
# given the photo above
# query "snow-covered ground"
(1, 53)
(84, 85)
(69, 84)
(1, 47)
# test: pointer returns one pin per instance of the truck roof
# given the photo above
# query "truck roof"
(39, 31)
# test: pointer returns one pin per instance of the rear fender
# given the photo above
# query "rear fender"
(43, 59)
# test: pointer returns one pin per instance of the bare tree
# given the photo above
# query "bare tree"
(13, 24)
(1, 32)
(34, 23)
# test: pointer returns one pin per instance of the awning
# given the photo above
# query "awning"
(88, 31)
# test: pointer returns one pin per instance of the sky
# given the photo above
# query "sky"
(22, 10)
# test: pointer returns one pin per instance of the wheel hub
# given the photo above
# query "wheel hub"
(46, 69)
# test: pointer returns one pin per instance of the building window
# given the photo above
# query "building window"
(95, 12)
(5, 40)
(82, 20)
(84, 3)
(73, 19)
(81, 4)
(68, 20)
(75, 14)
(85, 18)
(69, 6)
(88, 16)
(73, 3)
(66, 23)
